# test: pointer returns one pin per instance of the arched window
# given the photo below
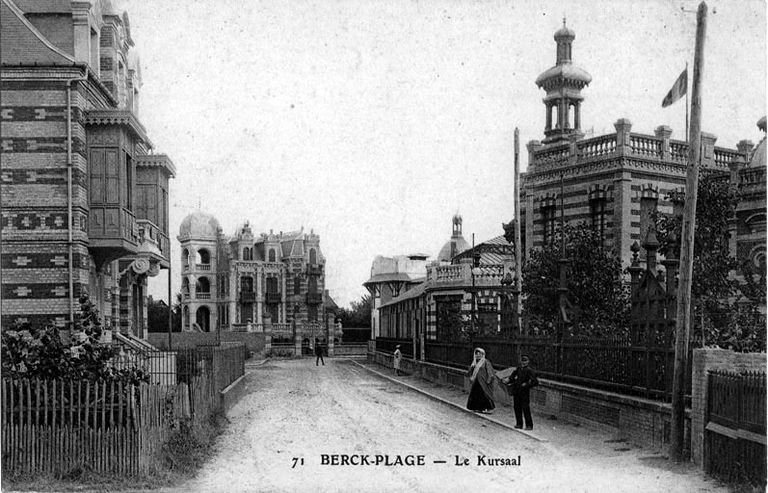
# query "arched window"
(185, 258)
(205, 256)
(312, 284)
(185, 287)
(271, 254)
(185, 321)
(203, 286)
(312, 256)
(247, 253)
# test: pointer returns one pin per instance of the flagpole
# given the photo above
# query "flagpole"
(687, 138)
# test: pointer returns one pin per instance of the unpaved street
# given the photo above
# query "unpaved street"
(294, 409)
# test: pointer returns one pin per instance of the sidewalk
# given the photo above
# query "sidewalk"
(562, 435)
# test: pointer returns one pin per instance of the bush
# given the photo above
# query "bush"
(42, 352)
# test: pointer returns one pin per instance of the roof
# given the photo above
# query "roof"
(567, 71)
(199, 225)
(157, 160)
(414, 292)
(23, 44)
(494, 251)
(452, 247)
(392, 277)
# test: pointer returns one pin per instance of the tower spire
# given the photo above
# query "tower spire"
(563, 84)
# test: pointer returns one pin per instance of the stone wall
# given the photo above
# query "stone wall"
(642, 421)
(705, 360)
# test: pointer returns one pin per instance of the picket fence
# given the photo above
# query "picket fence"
(60, 427)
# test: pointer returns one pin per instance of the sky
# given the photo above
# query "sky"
(373, 122)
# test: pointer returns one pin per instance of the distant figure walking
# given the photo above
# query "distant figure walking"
(396, 357)
(481, 376)
(318, 352)
(519, 384)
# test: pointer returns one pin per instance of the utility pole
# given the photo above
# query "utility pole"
(518, 256)
(683, 312)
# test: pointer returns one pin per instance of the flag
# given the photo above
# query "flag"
(678, 90)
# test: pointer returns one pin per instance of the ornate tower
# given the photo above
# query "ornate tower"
(563, 84)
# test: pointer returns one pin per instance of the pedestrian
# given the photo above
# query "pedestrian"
(481, 376)
(396, 357)
(318, 352)
(520, 382)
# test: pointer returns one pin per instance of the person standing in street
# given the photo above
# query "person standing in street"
(519, 384)
(318, 352)
(481, 376)
(396, 357)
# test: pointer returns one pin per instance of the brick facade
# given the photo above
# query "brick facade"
(56, 203)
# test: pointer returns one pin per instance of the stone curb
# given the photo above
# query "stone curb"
(449, 403)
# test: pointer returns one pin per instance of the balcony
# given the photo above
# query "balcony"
(203, 266)
(112, 232)
(273, 298)
(314, 269)
(247, 296)
(203, 296)
(153, 244)
(314, 298)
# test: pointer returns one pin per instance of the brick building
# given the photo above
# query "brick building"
(252, 282)
(84, 199)
(614, 181)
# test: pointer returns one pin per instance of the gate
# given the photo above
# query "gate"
(734, 441)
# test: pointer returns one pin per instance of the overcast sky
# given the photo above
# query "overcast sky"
(373, 122)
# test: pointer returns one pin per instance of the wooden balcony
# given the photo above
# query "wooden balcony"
(112, 232)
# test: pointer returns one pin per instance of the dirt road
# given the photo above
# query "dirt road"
(296, 416)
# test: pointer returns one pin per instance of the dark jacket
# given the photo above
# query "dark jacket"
(318, 349)
(521, 380)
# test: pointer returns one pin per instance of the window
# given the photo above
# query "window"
(548, 217)
(312, 284)
(312, 256)
(297, 285)
(128, 182)
(246, 284)
(205, 256)
(312, 313)
(272, 285)
(271, 255)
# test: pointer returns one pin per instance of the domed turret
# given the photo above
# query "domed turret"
(563, 84)
(198, 226)
(456, 244)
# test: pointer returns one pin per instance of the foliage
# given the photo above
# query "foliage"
(725, 305)
(594, 281)
(157, 315)
(43, 352)
(358, 314)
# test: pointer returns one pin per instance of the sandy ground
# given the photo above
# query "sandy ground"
(294, 412)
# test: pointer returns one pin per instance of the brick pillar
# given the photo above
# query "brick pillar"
(623, 128)
(622, 214)
(707, 150)
(664, 133)
(533, 146)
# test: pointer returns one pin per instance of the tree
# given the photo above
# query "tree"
(595, 283)
(157, 315)
(43, 352)
(358, 314)
(725, 307)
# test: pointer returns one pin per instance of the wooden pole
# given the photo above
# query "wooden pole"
(170, 303)
(518, 256)
(683, 312)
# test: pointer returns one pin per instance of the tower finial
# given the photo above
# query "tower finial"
(563, 20)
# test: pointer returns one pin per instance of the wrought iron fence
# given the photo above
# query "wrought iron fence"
(608, 363)
(388, 345)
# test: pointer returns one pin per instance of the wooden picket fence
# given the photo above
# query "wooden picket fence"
(58, 427)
